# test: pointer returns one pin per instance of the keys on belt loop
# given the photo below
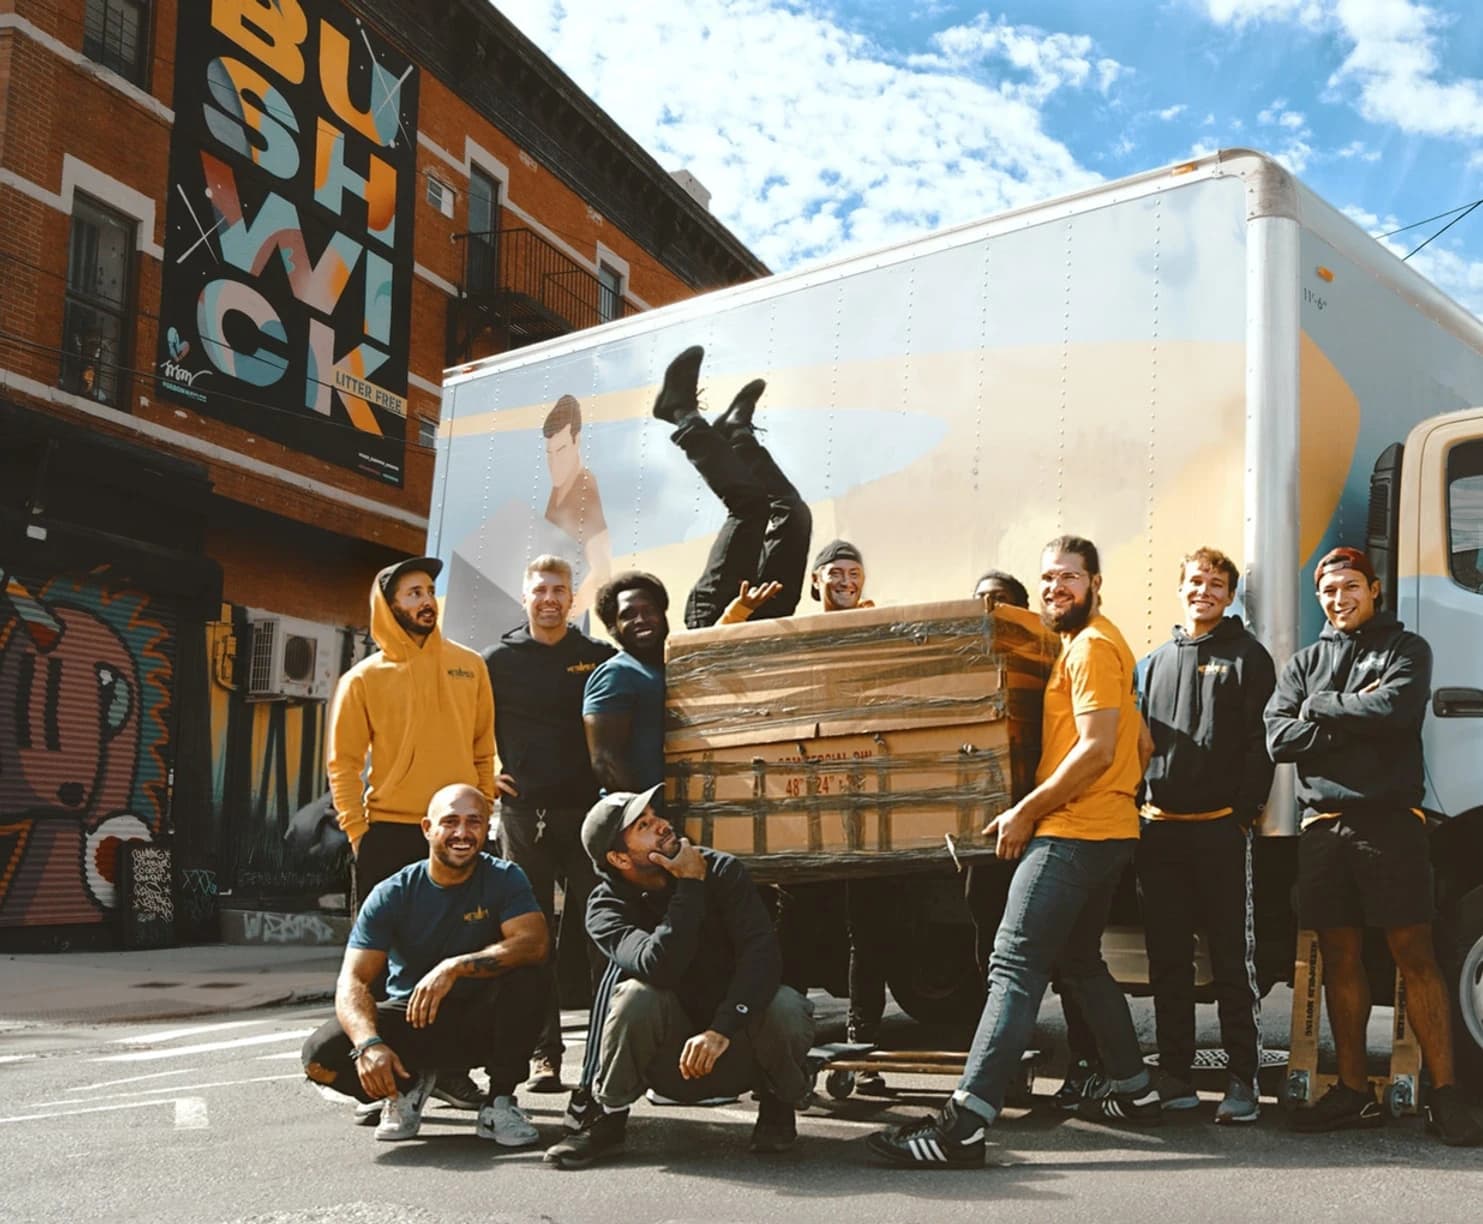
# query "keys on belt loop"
(540, 823)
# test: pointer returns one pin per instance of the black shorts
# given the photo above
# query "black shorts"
(1365, 869)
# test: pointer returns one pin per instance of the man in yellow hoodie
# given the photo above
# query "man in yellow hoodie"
(424, 711)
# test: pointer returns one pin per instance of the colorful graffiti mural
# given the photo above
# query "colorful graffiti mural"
(86, 704)
(288, 263)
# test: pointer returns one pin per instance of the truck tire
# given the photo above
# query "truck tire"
(933, 975)
(1462, 963)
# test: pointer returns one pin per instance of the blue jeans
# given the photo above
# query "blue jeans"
(1057, 908)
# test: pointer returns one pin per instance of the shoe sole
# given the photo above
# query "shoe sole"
(585, 1162)
(380, 1138)
(1180, 1104)
(507, 1144)
(1237, 1119)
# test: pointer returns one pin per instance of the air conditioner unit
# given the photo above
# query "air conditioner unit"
(291, 659)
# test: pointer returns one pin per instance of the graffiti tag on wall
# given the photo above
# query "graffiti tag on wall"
(86, 680)
(287, 286)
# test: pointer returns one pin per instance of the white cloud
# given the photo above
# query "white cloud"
(813, 139)
(1393, 66)
(1357, 150)
(1173, 112)
(1293, 148)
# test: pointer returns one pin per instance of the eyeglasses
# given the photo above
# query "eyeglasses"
(1063, 577)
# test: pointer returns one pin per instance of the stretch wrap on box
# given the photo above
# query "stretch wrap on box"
(855, 743)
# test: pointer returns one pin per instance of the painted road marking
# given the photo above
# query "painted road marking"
(133, 1079)
(176, 1034)
(203, 1048)
(77, 1113)
(190, 1114)
(13, 1058)
(113, 1096)
(285, 1056)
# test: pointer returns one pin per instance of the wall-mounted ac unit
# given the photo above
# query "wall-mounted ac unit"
(291, 659)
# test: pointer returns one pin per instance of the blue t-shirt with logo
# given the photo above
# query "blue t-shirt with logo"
(625, 685)
(418, 923)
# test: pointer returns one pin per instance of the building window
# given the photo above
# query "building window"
(609, 292)
(94, 335)
(440, 196)
(483, 239)
(427, 432)
(114, 34)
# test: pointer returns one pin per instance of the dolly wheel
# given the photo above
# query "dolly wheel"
(840, 1084)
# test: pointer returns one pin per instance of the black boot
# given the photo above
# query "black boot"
(776, 1127)
(676, 399)
(739, 414)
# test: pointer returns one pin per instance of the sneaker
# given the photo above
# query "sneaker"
(580, 1109)
(676, 399)
(1143, 1107)
(545, 1074)
(1340, 1108)
(506, 1123)
(658, 1098)
(739, 414)
(401, 1115)
(367, 1113)
(1175, 1093)
(1449, 1118)
(1080, 1076)
(953, 1139)
(1239, 1103)
(776, 1128)
(458, 1089)
(600, 1138)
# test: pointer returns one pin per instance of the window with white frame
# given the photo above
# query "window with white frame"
(427, 432)
(440, 195)
(115, 33)
(100, 260)
(609, 292)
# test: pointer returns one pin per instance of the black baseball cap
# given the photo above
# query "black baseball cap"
(608, 817)
(392, 574)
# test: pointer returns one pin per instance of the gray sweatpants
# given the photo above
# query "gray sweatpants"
(646, 1028)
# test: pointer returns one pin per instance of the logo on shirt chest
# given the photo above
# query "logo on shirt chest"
(476, 915)
(1215, 668)
(578, 669)
(459, 673)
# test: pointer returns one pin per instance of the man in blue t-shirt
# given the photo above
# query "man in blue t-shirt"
(623, 704)
(463, 944)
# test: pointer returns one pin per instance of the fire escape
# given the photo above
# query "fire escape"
(519, 289)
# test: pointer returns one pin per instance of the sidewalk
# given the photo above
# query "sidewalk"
(162, 984)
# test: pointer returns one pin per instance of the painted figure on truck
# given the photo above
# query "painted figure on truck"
(1202, 694)
(1348, 712)
(1074, 835)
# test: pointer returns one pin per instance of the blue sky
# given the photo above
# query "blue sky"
(823, 129)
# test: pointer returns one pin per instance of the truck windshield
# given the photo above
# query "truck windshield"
(1465, 514)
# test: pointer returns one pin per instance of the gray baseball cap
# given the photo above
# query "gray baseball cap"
(608, 817)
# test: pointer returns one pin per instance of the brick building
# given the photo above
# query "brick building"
(239, 242)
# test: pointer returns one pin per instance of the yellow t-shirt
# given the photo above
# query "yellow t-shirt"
(1094, 673)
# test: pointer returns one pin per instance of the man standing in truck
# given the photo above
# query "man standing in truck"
(1347, 712)
(623, 704)
(538, 672)
(1074, 834)
(1202, 694)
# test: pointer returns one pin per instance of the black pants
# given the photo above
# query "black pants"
(385, 849)
(766, 533)
(986, 890)
(1196, 875)
(546, 844)
(870, 905)
(490, 1023)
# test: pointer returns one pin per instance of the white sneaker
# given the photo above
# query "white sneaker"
(368, 1113)
(506, 1123)
(401, 1115)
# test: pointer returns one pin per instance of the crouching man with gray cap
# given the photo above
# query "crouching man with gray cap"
(698, 1010)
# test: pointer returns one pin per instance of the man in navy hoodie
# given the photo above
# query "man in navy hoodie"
(1202, 694)
(1348, 712)
(538, 672)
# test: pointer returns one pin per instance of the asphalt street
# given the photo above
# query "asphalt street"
(212, 1121)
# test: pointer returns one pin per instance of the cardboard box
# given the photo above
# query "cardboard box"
(854, 743)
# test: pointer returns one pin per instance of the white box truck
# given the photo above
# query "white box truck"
(1204, 354)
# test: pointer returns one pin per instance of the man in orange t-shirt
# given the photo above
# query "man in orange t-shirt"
(1074, 834)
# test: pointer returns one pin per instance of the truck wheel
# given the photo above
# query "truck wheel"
(1464, 969)
(934, 977)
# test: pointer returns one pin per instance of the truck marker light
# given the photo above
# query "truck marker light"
(1184, 169)
(1324, 274)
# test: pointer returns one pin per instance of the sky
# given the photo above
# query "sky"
(825, 129)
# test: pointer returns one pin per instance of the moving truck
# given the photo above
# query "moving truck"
(1204, 354)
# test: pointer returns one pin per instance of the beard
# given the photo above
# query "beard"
(1073, 620)
(408, 622)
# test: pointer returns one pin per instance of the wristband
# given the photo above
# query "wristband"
(357, 1050)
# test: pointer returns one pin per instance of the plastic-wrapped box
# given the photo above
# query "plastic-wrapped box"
(854, 743)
